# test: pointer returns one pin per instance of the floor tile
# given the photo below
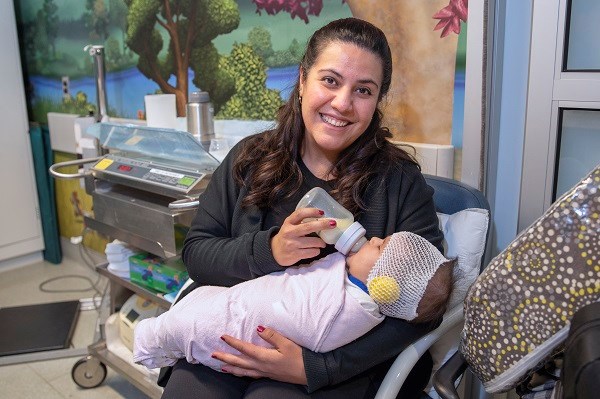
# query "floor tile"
(21, 381)
(51, 379)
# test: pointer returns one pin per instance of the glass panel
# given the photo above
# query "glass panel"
(583, 51)
(579, 150)
(166, 144)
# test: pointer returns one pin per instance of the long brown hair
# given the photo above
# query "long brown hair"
(267, 163)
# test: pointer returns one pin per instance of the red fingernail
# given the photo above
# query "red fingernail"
(260, 329)
(213, 356)
(332, 223)
(222, 338)
(321, 212)
(224, 370)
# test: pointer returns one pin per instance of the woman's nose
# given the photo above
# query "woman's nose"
(342, 101)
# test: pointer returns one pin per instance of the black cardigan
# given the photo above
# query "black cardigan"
(227, 245)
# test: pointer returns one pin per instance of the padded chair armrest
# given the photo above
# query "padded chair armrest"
(406, 360)
(445, 378)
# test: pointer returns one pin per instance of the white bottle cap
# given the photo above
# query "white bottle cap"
(354, 234)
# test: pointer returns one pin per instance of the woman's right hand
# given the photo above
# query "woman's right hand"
(293, 243)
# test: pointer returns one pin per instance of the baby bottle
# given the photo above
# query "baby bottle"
(348, 235)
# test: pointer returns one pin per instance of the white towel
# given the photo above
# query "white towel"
(308, 305)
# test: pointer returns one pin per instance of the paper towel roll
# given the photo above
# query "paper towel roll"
(161, 110)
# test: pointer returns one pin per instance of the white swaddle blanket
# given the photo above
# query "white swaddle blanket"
(309, 305)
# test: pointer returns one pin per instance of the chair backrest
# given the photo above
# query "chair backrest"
(451, 196)
(466, 229)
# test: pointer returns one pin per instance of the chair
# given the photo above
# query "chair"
(450, 198)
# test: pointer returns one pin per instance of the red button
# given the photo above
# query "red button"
(125, 168)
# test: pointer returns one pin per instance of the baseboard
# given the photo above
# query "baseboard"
(20, 261)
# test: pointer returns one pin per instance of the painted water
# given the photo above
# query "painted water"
(126, 89)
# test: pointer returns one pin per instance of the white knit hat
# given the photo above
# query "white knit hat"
(400, 276)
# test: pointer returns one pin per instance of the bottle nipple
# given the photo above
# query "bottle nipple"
(352, 239)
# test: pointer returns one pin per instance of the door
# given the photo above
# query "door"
(562, 131)
(20, 228)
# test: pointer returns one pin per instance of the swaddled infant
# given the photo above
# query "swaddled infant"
(320, 306)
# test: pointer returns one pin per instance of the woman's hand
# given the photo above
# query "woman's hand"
(292, 243)
(283, 362)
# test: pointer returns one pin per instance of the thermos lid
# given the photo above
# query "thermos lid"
(199, 97)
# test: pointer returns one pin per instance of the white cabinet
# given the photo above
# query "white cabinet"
(20, 227)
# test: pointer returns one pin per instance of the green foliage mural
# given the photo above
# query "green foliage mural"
(252, 100)
(259, 38)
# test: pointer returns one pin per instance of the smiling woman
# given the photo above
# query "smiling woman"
(329, 134)
(341, 92)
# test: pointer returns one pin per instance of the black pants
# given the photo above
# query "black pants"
(197, 381)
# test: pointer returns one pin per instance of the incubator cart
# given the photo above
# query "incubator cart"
(144, 192)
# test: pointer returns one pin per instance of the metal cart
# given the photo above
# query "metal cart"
(144, 192)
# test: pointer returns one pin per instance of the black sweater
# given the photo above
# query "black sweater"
(227, 245)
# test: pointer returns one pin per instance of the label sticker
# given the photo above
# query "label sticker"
(103, 164)
(167, 173)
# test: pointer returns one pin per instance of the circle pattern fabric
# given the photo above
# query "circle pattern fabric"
(532, 289)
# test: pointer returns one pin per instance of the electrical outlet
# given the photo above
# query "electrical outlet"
(66, 89)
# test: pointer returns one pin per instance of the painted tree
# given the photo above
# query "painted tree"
(96, 19)
(260, 40)
(420, 101)
(49, 10)
(252, 99)
(189, 26)
(117, 15)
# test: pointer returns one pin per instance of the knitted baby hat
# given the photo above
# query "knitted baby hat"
(400, 276)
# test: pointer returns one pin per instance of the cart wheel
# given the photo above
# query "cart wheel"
(88, 372)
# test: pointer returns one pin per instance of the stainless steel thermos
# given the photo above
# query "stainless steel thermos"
(200, 116)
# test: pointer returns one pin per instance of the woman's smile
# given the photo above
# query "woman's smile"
(334, 121)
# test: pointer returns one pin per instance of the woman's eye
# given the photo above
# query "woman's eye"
(329, 80)
(364, 90)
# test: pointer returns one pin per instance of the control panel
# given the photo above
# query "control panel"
(148, 172)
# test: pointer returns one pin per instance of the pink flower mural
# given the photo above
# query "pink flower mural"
(296, 8)
(450, 17)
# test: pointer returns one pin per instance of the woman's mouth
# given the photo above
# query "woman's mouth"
(333, 121)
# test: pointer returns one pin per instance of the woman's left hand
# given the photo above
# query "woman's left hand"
(283, 362)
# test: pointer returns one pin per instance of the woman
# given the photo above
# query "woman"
(329, 134)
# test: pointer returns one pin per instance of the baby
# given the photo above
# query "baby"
(321, 306)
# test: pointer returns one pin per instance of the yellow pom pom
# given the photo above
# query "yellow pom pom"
(384, 289)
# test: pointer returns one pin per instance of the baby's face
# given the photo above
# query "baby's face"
(361, 262)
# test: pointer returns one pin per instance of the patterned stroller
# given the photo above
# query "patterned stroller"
(519, 310)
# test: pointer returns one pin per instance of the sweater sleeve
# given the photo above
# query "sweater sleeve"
(383, 342)
(410, 208)
(416, 210)
(212, 252)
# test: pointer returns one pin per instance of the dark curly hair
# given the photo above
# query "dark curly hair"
(267, 163)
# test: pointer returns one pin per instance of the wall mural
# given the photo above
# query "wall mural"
(245, 53)
(246, 60)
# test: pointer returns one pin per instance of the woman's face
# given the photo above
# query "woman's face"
(361, 262)
(339, 97)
